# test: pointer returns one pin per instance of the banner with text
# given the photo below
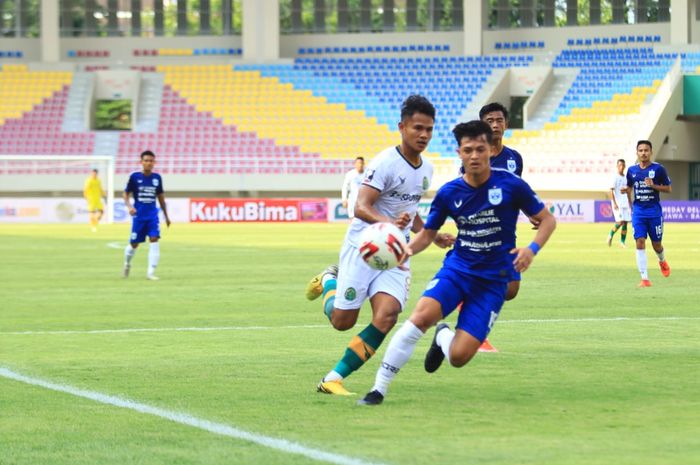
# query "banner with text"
(675, 211)
(258, 210)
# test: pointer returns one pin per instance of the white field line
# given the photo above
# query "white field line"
(262, 328)
(222, 429)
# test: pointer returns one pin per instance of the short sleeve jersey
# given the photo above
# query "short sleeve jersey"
(400, 184)
(145, 190)
(486, 219)
(647, 202)
(508, 159)
(620, 198)
(93, 188)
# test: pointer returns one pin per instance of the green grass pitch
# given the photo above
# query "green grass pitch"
(590, 369)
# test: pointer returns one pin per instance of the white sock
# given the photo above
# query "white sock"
(332, 376)
(661, 255)
(326, 277)
(153, 257)
(397, 354)
(642, 263)
(444, 340)
(129, 252)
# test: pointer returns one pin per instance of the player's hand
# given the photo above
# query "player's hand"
(345, 204)
(407, 253)
(623, 189)
(132, 211)
(444, 240)
(616, 207)
(523, 259)
(167, 221)
(402, 220)
(649, 182)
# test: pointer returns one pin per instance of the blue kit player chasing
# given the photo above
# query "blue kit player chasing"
(484, 203)
(648, 179)
(146, 186)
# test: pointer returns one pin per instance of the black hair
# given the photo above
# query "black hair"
(491, 107)
(360, 158)
(472, 130)
(417, 104)
(94, 170)
(147, 153)
(646, 142)
(622, 160)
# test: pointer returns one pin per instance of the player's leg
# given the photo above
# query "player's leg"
(656, 232)
(138, 235)
(428, 311)
(478, 315)
(513, 288)
(612, 232)
(640, 226)
(623, 234)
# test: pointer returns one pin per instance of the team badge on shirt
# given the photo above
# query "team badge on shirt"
(155, 183)
(652, 173)
(426, 183)
(495, 195)
(511, 165)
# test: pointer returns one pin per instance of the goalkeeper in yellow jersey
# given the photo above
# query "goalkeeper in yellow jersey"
(93, 193)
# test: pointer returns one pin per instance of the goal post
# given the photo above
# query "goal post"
(56, 173)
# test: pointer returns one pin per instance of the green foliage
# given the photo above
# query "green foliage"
(590, 369)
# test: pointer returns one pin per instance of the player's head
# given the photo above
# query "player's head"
(360, 164)
(644, 150)
(93, 173)
(621, 166)
(417, 123)
(148, 159)
(496, 115)
(474, 140)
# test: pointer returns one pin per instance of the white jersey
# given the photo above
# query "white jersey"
(619, 182)
(351, 186)
(401, 186)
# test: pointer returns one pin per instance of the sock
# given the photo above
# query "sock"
(360, 349)
(397, 354)
(444, 340)
(329, 284)
(153, 257)
(623, 233)
(642, 263)
(332, 376)
(661, 255)
(129, 252)
(614, 229)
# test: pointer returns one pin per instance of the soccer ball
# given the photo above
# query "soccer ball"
(382, 245)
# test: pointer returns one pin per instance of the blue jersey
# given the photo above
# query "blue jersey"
(508, 159)
(486, 218)
(646, 201)
(145, 190)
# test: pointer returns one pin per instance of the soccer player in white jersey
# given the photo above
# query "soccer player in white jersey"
(394, 183)
(620, 204)
(351, 186)
(484, 204)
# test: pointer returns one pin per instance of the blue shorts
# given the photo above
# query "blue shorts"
(653, 227)
(515, 275)
(481, 300)
(142, 228)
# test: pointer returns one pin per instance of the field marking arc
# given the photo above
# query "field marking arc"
(261, 328)
(221, 429)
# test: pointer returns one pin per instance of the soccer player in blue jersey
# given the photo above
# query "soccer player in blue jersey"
(145, 186)
(484, 203)
(648, 179)
(496, 116)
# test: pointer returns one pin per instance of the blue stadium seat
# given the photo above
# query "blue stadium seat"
(570, 42)
(540, 44)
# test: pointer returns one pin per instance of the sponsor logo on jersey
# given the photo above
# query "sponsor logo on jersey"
(511, 165)
(495, 195)
(405, 197)
(458, 203)
(432, 284)
(369, 176)
(402, 180)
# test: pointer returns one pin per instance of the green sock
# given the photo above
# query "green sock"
(329, 297)
(614, 230)
(623, 233)
(360, 349)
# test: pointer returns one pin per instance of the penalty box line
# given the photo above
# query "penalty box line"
(261, 328)
(283, 445)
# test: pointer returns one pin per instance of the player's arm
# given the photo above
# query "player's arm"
(525, 255)
(612, 198)
(420, 242)
(364, 209)
(658, 187)
(442, 240)
(345, 189)
(127, 202)
(161, 201)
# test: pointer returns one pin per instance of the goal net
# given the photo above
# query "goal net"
(37, 175)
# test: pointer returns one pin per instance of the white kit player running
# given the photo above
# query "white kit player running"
(620, 204)
(351, 186)
(394, 183)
